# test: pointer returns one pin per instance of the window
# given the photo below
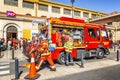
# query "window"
(98, 33)
(94, 15)
(67, 11)
(11, 29)
(28, 5)
(104, 34)
(43, 7)
(110, 34)
(109, 23)
(76, 13)
(11, 2)
(28, 14)
(91, 32)
(55, 9)
(86, 15)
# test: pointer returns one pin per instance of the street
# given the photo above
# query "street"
(107, 73)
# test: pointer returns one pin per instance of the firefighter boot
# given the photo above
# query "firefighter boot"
(52, 68)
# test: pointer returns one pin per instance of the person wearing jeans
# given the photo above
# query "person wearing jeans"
(68, 49)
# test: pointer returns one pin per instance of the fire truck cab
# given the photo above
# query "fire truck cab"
(97, 41)
(92, 40)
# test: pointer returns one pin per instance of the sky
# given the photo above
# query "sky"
(105, 6)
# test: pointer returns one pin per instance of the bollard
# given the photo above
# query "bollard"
(114, 47)
(117, 55)
(12, 52)
(16, 69)
(82, 63)
(0, 51)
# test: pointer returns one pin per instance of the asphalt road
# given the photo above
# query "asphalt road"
(108, 73)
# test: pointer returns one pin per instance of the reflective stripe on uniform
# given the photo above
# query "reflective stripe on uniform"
(52, 67)
(32, 60)
(42, 49)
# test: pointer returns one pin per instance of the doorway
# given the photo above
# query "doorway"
(11, 33)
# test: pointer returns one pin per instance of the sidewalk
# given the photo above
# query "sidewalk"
(62, 70)
(7, 55)
(46, 74)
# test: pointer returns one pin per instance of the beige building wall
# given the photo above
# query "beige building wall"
(20, 10)
(17, 9)
(118, 35)
(24, 23)
(8, 23)
(117, 30)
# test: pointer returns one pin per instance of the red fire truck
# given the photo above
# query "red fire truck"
(90, 39)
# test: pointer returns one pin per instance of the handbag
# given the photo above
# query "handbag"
(52, 47)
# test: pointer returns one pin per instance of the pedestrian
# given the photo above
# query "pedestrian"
(3, 45)
(68, 52)
(23, 45)
(0, 47)
(9, 44)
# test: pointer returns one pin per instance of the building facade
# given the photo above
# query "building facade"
(16, 16)
(19, 26)
(47, 8)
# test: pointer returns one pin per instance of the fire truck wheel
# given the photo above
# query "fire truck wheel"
(100, 54)
(61, 58)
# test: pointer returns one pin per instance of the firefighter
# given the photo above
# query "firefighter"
(68, 49)
(59, 38)
(45, 55)
(14, 43)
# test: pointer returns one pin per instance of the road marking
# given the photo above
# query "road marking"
(4, 63)
(4, 72)
(2, 67)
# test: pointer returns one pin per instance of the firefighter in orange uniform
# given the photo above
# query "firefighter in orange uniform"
(59, 38)
(45, 55)
(14, 43)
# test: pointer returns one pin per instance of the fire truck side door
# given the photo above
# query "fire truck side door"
(92, 38)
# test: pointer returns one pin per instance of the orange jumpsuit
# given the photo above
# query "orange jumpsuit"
(46, 55)
(14, 43)
(59, 39)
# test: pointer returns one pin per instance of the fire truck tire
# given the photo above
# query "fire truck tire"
(100, 54)
(61, 58)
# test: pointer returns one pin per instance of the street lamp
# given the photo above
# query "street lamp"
(72, 1)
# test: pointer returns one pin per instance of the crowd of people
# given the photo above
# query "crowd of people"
(13, 43)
